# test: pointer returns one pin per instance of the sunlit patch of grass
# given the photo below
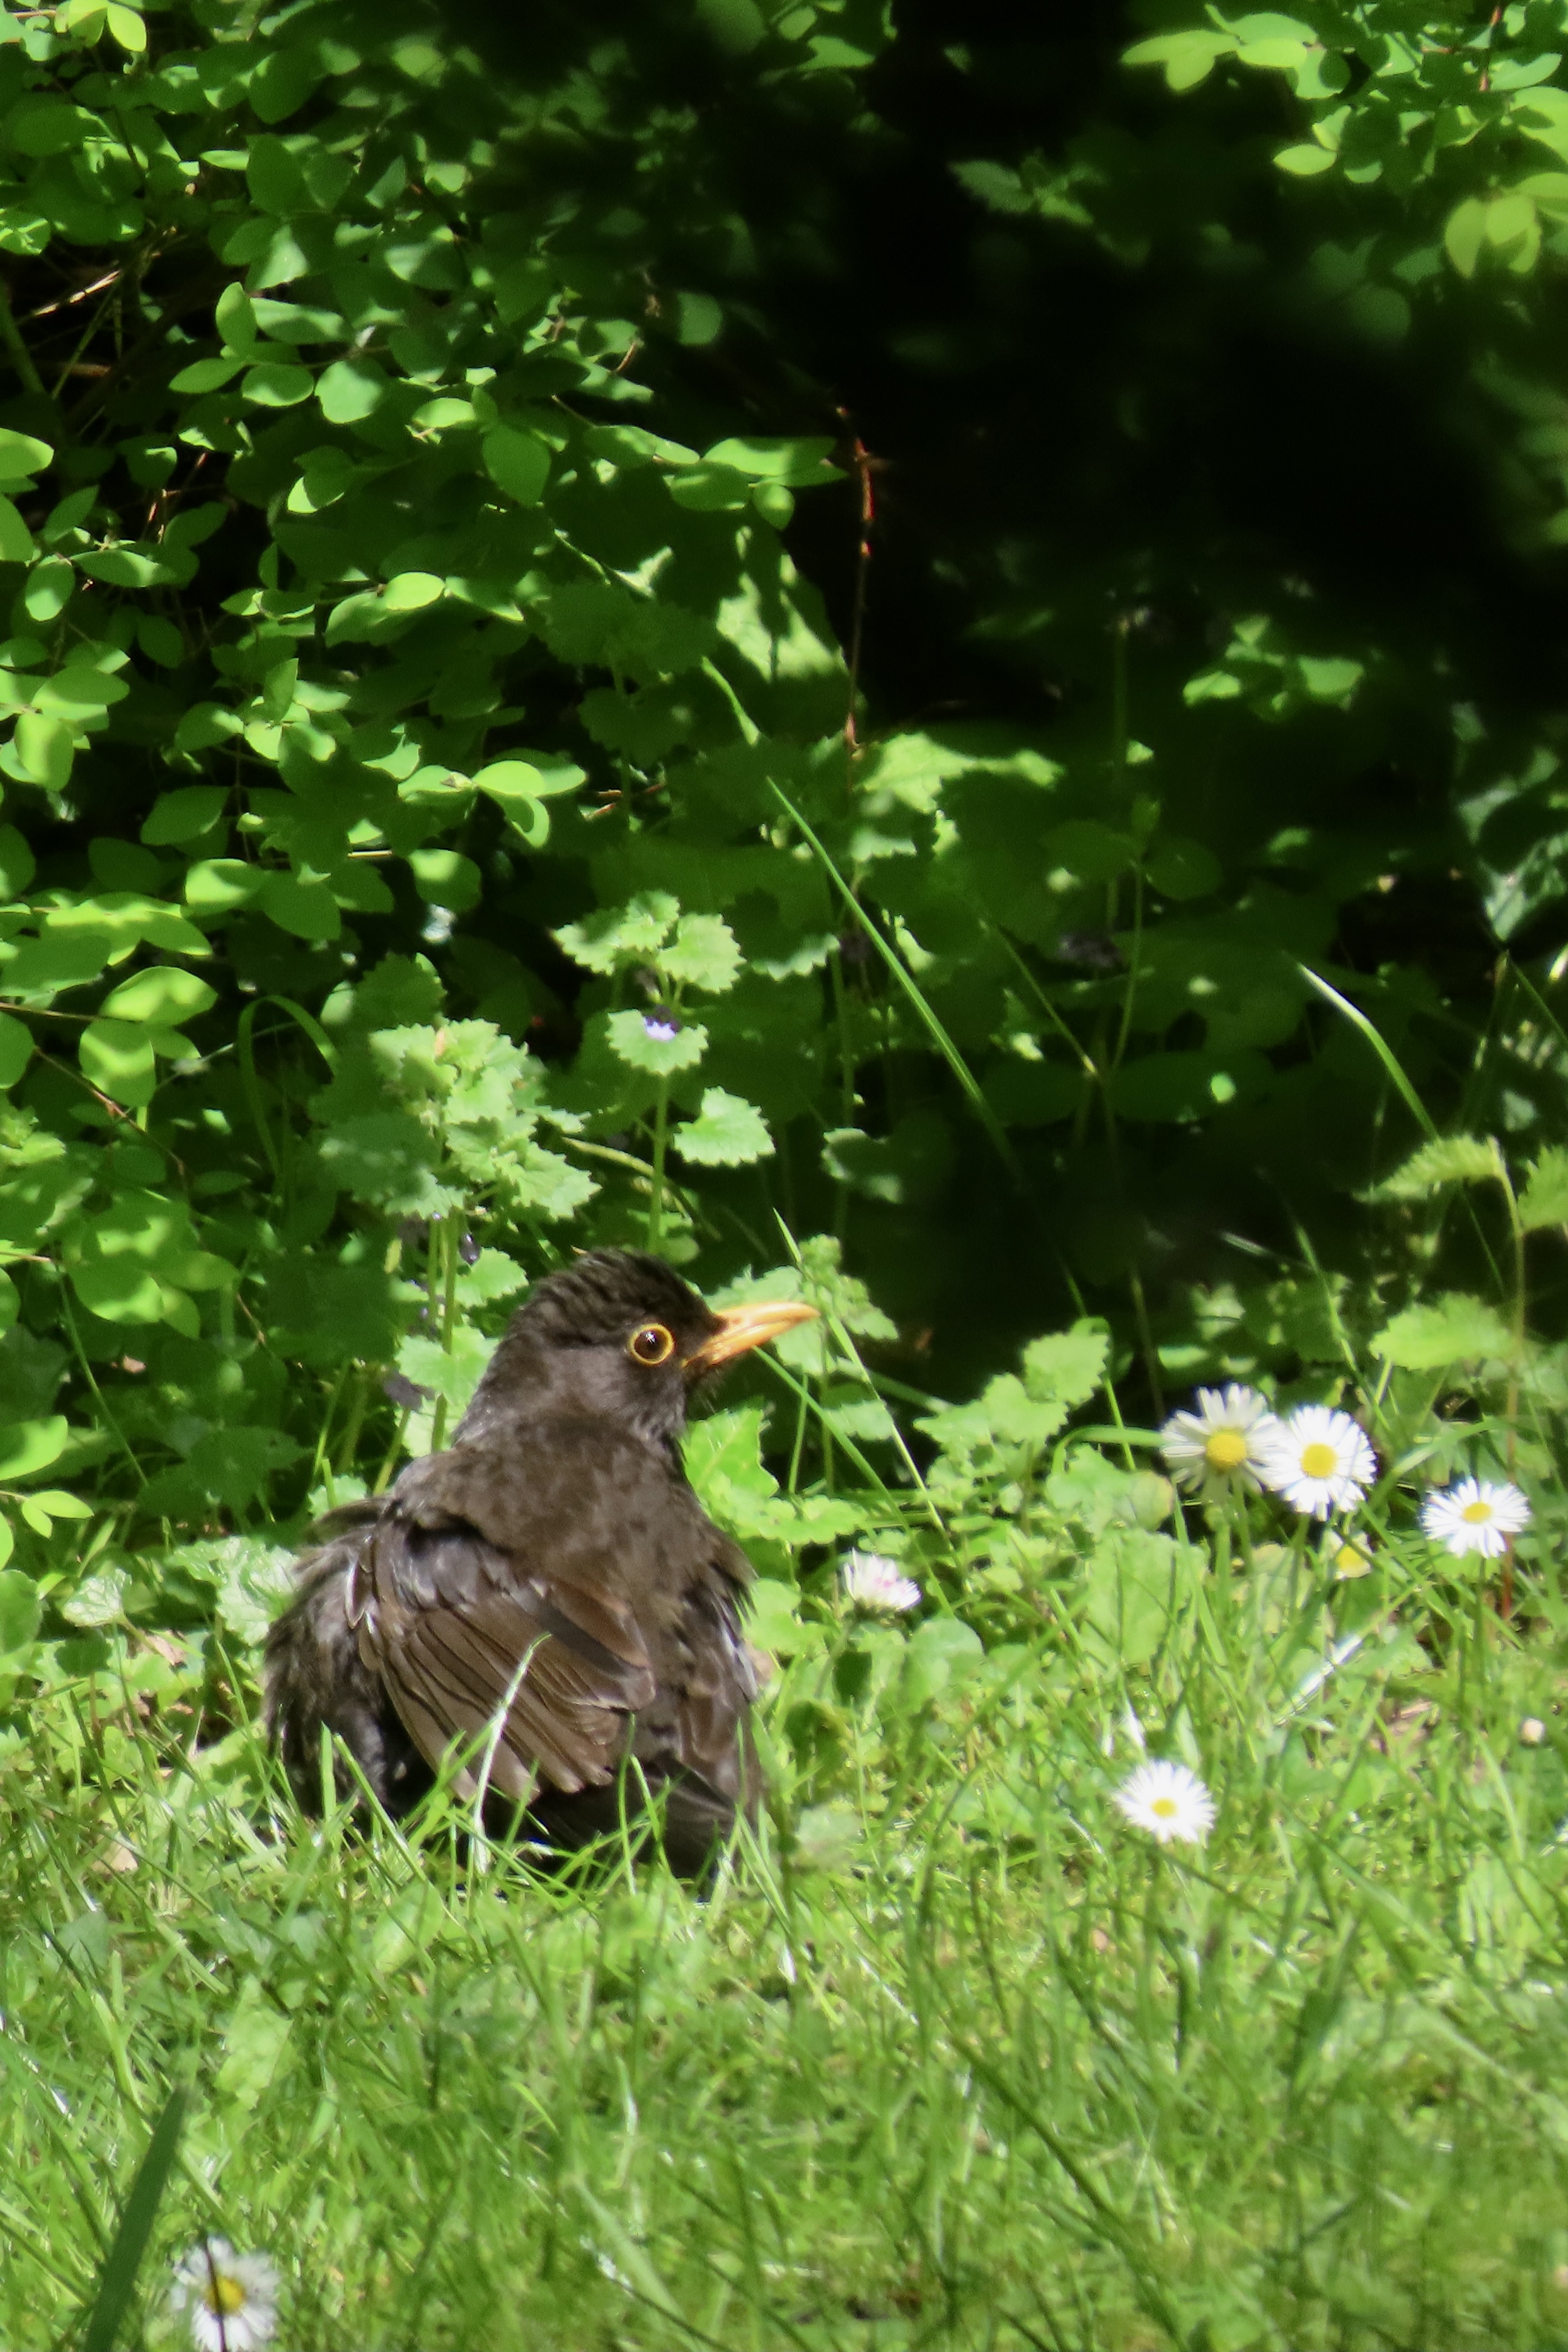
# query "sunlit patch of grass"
(953, 2055)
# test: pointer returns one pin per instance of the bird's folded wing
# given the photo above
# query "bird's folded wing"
(716, 1684)
(468, 1641)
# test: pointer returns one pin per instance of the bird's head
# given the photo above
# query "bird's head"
(618, 1334)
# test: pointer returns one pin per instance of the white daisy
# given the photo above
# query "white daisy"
(232, 2298)
(871, 1581)
(1168, 1801)
(1219, 1447)
(1473, 1516)
(1319, 1460)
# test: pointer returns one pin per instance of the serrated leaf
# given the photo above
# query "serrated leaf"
(1545, 1200)
(1452, 1159)
(1066, 1368)
(616, 935)
(702, 954)
(726, 1133)
(1454, 1329)
(648, 1041)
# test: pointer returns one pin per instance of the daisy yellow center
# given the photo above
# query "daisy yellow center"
(224, 2294)
(1225, 1450)
(1318, 1460)
(1478, 1513)
(1165, 1807)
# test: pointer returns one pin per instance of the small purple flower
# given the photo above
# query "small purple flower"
(659, 1026)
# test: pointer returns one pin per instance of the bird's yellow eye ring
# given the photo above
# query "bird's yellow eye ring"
(653, 1344)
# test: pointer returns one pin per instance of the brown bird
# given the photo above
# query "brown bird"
(548, 1593)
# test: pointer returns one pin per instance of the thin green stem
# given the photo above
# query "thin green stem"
(660, 1145)
(11, 335)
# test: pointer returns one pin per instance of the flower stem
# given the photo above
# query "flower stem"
(660, 1141)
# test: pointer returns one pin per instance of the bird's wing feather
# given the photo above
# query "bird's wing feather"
(579, 1569)
(454, 1628)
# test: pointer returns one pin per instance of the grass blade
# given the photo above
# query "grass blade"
(1380, 1046)
(907, 981)
(117, 2279)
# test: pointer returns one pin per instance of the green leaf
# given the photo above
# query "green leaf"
(165, 993)
(794, 462)
(27, 1447)
(98, 1600)
(1188, 57)
(1454, 1160)
(183, 815)
(17, 866)
(726, 1133)
(655, 1042)
(255, 2045)
(15, 1048)
(15, 540)
(940, 1651)
(1066, 1367)
(117, 1059)
(612, 936)
(772, 1619)
(1304, 161)
(206, 375)
(277, 384)
(446, 878)
(21, 457)
(1179, 868)
(1545, 1200)
(1453, 1329)
(352, 390)
(1465, 234)
(508, 781)
(702, 954)
(21, 1608)
(233, 315)
(47, 748)
(307, 910)
(519, 462)
(126, 28)
(216, 885)
(411, 591)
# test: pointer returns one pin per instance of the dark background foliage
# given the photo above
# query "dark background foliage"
(452, 442)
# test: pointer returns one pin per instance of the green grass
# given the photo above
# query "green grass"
(952, 2058)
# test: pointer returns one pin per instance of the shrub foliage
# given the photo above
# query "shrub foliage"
(510, 744)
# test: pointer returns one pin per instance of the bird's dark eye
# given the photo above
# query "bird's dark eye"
(652, 1344)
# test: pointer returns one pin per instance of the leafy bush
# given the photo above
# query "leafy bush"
(446, 826)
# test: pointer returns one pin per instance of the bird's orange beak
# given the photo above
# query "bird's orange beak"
(741, 1329)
